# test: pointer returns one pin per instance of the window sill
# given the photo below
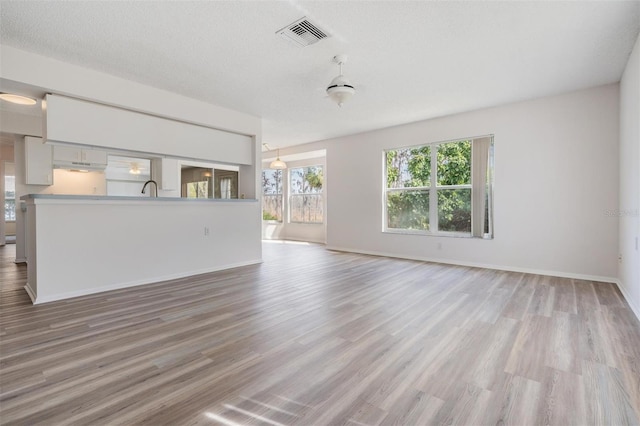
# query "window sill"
(428, 234)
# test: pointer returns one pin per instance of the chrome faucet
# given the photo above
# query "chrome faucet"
(147, 183)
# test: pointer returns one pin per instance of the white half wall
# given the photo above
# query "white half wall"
(81, 246)
(556, 180)
(629, 210)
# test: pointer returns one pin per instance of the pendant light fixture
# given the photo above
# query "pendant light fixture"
(276, 164)
(340, 89)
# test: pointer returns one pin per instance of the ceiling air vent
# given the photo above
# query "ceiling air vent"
(302, 32)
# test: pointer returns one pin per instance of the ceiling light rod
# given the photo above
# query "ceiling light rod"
(340, 89)
(277, 164)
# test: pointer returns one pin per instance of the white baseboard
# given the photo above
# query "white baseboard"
(305, 240)
(635, 308)
(85, 292)
(30, 292)
(20, 260)
(484, 265)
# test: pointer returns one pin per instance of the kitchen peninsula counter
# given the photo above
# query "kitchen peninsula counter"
(84, 244)
(127, 198)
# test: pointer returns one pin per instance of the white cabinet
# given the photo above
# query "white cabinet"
(65, 153)
(38, 162)
(69, 154)
(166, 171)
(94, 156)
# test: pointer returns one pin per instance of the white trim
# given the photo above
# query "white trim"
(407, 231)
(84, 292)
(433, 195)
(420, 145)
(635, 309)
(410, 188)
(303, 240)
(483, 265)
(30, 292)
(434, 187)
(20, 260)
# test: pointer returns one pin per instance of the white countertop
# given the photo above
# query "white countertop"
(125, 198)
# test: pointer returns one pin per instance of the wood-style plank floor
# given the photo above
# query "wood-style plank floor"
(314, 337)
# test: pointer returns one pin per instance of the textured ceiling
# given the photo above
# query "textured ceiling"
(408, 60)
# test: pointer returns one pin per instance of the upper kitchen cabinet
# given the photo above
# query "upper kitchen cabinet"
(38, 162)
(79, 155)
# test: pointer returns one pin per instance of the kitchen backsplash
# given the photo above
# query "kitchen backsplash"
(77, 183)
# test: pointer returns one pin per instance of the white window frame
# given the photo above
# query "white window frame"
(4, 189)
(433, 189)
(280, 192)
(291, 194)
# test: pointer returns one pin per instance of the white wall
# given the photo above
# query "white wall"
(78, 183)
(556, 177)
(12, 122)
(629, 210)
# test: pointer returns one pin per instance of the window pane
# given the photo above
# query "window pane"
(272, 198)
(306, 202)
(297, 181)
(454, 163)
(10, 185)
(198, 189)
(203, 189)
(408, 168)
(313, 180)
(306, 180)
(307, 208)
(9, 197)
(9, 209)
(272, 207)
(408, 210)
(454, 210)
(487, 212)
(271, 181)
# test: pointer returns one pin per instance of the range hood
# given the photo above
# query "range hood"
(72, 157)
(78, 165)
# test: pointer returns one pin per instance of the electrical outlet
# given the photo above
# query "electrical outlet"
(620, 258)
(206, 231)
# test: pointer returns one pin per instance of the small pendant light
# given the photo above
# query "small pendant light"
(278, 164)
